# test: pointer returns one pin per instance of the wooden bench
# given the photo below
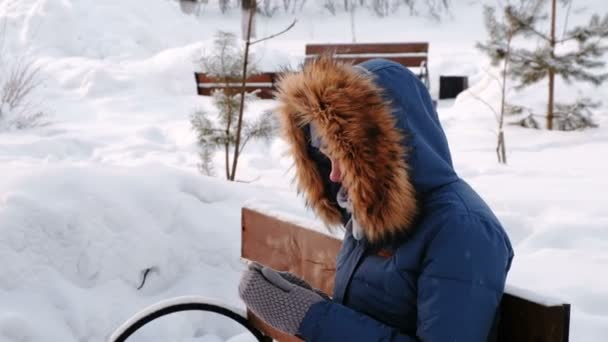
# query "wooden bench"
(263, 83)
(310, 254)
(411, 55)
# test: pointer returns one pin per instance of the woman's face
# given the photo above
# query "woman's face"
(335, 174)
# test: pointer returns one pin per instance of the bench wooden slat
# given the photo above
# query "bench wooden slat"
(411, 55)
(263, 82)
(263, 93)
(311, 255)
(285, 246)
(288, 247)
(315, 49)
(409, 61)
(268, 330)
(264, 77)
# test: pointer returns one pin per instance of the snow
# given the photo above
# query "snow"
(533, 296)
(109, 187)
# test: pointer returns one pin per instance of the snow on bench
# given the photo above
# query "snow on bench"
(263, 84)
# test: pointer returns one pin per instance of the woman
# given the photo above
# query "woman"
(423, 257)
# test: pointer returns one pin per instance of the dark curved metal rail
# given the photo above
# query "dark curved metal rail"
(172, 308)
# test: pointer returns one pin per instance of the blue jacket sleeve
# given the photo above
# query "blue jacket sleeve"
(331, 321)
(459, 290)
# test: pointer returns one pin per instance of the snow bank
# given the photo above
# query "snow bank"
(76, 241)
(109, 188)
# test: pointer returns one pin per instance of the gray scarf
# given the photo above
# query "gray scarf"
(352, 224)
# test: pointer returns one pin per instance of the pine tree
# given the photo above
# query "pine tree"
(224, 64)
(584, 63)
(499, 48)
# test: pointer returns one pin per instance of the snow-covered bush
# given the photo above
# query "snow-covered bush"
(18, 81)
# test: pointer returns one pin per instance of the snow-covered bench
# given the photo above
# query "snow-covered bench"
(411, 55)
(286, 246)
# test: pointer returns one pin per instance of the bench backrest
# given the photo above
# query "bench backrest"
(287, 246)
(407, 54)
(263, 83)
(411, 55)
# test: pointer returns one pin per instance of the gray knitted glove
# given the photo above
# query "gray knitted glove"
(292, 278)
(277, 301)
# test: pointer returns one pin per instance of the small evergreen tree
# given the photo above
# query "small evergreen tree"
(221, 133)
(225, 64)
(499, 47)
(527, 67)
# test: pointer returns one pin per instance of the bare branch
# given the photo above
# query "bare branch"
(536, 32)
(476, 97)
(493, 77)
(244, 143)
(248, 181)
(276, 34)
(567, 17)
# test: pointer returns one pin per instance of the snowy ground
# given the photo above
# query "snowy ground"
(110, 187)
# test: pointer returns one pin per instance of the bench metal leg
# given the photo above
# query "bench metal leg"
(182, 304)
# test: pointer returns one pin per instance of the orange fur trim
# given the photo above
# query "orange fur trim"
(359, 131)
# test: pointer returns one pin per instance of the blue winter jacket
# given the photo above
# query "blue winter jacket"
(441, 276)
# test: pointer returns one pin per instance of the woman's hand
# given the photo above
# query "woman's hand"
(277, 300)
(292, 278)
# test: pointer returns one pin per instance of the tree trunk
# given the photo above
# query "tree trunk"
(227, 92)
(551, 71)
(500, 147)
(247, 21)
(239, 124)
(227, 146)
(352, 21)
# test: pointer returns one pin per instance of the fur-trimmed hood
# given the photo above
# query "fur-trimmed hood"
(363, 116)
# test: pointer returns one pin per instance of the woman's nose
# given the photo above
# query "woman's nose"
(336, 174)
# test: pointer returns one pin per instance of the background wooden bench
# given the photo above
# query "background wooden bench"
(311, 255)
(264, 83)
(411, 55)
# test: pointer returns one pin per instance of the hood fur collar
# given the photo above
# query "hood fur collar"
(358, 130)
